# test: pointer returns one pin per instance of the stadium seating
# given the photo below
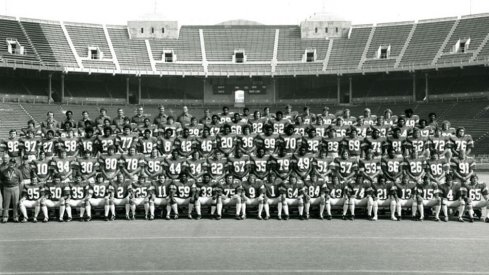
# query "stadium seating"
(131, 54)
(10, 28)
(13, 117)
(303, 68)
(292, 48)
(393, 35)
(346, 53)
(426, 41)
(186, 47)
(238, 69)
(50, 42)
(473, 28)
(84, 36)
(222, 41)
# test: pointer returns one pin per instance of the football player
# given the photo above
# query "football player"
(101, 195)
(461, 142)
(57, 195)
(109, 164)
(80, 195)
(131, 164)
(31, 197)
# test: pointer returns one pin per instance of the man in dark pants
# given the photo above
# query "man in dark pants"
(3, 166)
(11, 178)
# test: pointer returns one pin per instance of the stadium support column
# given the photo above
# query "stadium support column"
(426, 89)
(338, 89)
(127, 90)
(50, 87)
(62, 87)
(139, 90)
(351, 89)
(414, 87)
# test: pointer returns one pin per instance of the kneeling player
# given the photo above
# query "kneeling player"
(186, 193)
(31, 197)
(318, 193)
(445, 192)
(203, 195)
(119, 190)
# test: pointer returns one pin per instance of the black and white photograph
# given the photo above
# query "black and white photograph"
(244, 137)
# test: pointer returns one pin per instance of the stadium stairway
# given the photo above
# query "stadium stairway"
(13, 117)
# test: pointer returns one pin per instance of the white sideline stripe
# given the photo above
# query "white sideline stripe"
(250, 238)
(250, 271)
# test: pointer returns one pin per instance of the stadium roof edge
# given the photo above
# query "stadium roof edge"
(8, 17)
(438, 19)
(475, 15)
(78, 24)
(34, 20)
(395, 23)
(362, 26)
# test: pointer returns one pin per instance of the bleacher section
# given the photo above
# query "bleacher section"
(395, 36)
(13, 117)
(425, 43)
(299, 68)
(346, 53)
(50, 42)
(222, 41)
(84, 36)
(174, 68)
(292, 48)
(474, 29)
(131, 54)
(186, 47)
(238, 69)
(10, 28)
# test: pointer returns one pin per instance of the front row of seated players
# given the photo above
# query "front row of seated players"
(301, 181)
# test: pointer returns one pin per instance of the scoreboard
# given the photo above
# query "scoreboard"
(248, 85)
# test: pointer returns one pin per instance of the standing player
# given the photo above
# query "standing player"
(440, 144)
(461, 142)
(126, 140)
(166, 143)
(147, 143)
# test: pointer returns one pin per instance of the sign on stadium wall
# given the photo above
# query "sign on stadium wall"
(239, 98)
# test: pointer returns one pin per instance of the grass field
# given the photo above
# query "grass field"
(250, 246)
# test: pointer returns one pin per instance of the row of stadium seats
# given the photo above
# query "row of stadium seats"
(47, 43)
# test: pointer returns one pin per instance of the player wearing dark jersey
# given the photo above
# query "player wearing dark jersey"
(140, 194)
(239, 165)
(153, 165)
(105, 141)
(462, 167)
(445, 192)
(42, 168)
(63, 165)
(194, 128)
(184, 144)
(131, 164)
(440, 144)
(279, 123)
(87, 166)
(346, 167)
(166, 142)
(416, 166)
(247, 141)
(88, 142)
(237, 124)
(49, 144)
(461, 142)
(290, 140)
(101, 194)
(12, 145)
(31, 197)
(462, 195)
(417, 143)
(126, 140)
(370, 167)
(323, 166)
(80, 193)
(197, 167)
(203, 194)
(215, 125)
(332, 143)
(392, 166)
(175, 165)
(58, 194)
(226, 141)
(217, 166)
(268, 141)
(30, 146)
(186, 190)
(313, 141)
(147, 143)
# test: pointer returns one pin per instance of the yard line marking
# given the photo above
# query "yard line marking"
(248, 238)
(249, 271)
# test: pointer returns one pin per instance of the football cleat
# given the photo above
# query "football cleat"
(437, 219)
(460, 219)
(352, 218)
(399, 218)
(445, 219)
(260, 218)
(413, 218)
(82, 219)
(175, 217)
(286, 217)
(4, 220)
(321, 217)
(243, 217)
(369, 217)
(146, 217)
(69, 219)
(24, 220)
(128, 218)
(151, 217)
(487, 219)
(167, 217)
(190, 217)
(218, 217)
(237, 217)
(199, 217)
(267, 218)
(307, 217)
(34, 220)
(343, 217)
(329, 217)
(112, 218)
(106, 218)
(301, 218)
(374, 218)
(279, 218)
(61, 220)
(420, 219)
(133, 217)
(88, 218)
(471, 219)
(45, 220)
(394, 219)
